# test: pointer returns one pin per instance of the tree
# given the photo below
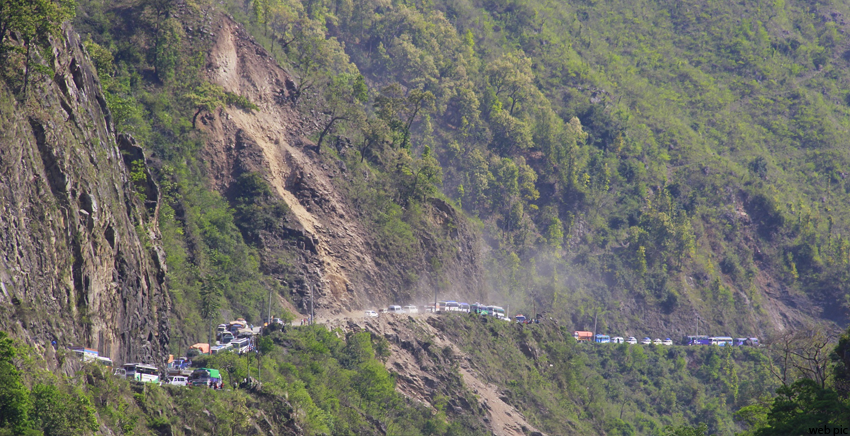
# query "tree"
(167, 33)
(841, 360)
(423, 174)
(342, 99)
(801, 354)
(510, 76)
(399, 110)
(212, 289)
(209, 97)
(375, 132)
(684, 430)
(805, 405)
(14, 397)
(265, 345)
(34, 21)
(205, 97)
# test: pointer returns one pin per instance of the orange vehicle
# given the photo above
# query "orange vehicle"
(197, 349)
(583, 336)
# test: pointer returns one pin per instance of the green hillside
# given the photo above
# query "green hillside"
(641, 168)
(674, 157)
(666, 159)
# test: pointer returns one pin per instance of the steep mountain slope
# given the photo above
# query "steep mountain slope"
(328, 233)
(680, 161)
(80, 255)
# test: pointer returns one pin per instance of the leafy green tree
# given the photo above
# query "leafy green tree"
(424, 175)
(167, 36)
(400, 110)
(205, 97)
(209, 97)
(841, 360)
(14, 396)
(342, 102)
(804, 405)
(511, 78)
(375, 133)
(212, 289)
(34, 21)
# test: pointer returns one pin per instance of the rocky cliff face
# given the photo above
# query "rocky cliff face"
(80, 260)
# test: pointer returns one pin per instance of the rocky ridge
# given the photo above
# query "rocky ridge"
(80, 258)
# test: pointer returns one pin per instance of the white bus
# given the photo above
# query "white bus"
(498, 312)
(139, 372)
(241, 346)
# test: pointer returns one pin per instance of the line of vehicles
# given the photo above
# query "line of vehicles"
(444, 306)
(236, 337)
(722, 341)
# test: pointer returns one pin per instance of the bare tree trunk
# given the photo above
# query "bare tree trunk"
(325, 132)
(27, 69)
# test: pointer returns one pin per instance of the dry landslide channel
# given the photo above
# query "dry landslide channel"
(417, 379)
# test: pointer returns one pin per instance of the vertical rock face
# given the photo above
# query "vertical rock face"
(80, 256)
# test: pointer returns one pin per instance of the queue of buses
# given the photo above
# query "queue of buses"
(449, 306)
(721, 341)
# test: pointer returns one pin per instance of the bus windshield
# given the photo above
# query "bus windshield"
(146, 370)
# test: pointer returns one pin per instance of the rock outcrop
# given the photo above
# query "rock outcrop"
(80, 256)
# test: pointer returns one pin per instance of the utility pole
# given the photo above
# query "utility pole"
(595, 316)
(435, 299)
(269, 318)
(312, 297)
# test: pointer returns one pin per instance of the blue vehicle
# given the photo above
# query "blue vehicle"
(602, 339)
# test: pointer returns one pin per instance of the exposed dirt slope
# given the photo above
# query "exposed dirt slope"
(336, 251)
(429, 365)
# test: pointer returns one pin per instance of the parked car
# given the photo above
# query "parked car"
(667, 341)
(371, 313)
(411, 309)
(177, 380)
(395, 309)
(631, 340)
(617, 340)
(646, 341)
(656, 341)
